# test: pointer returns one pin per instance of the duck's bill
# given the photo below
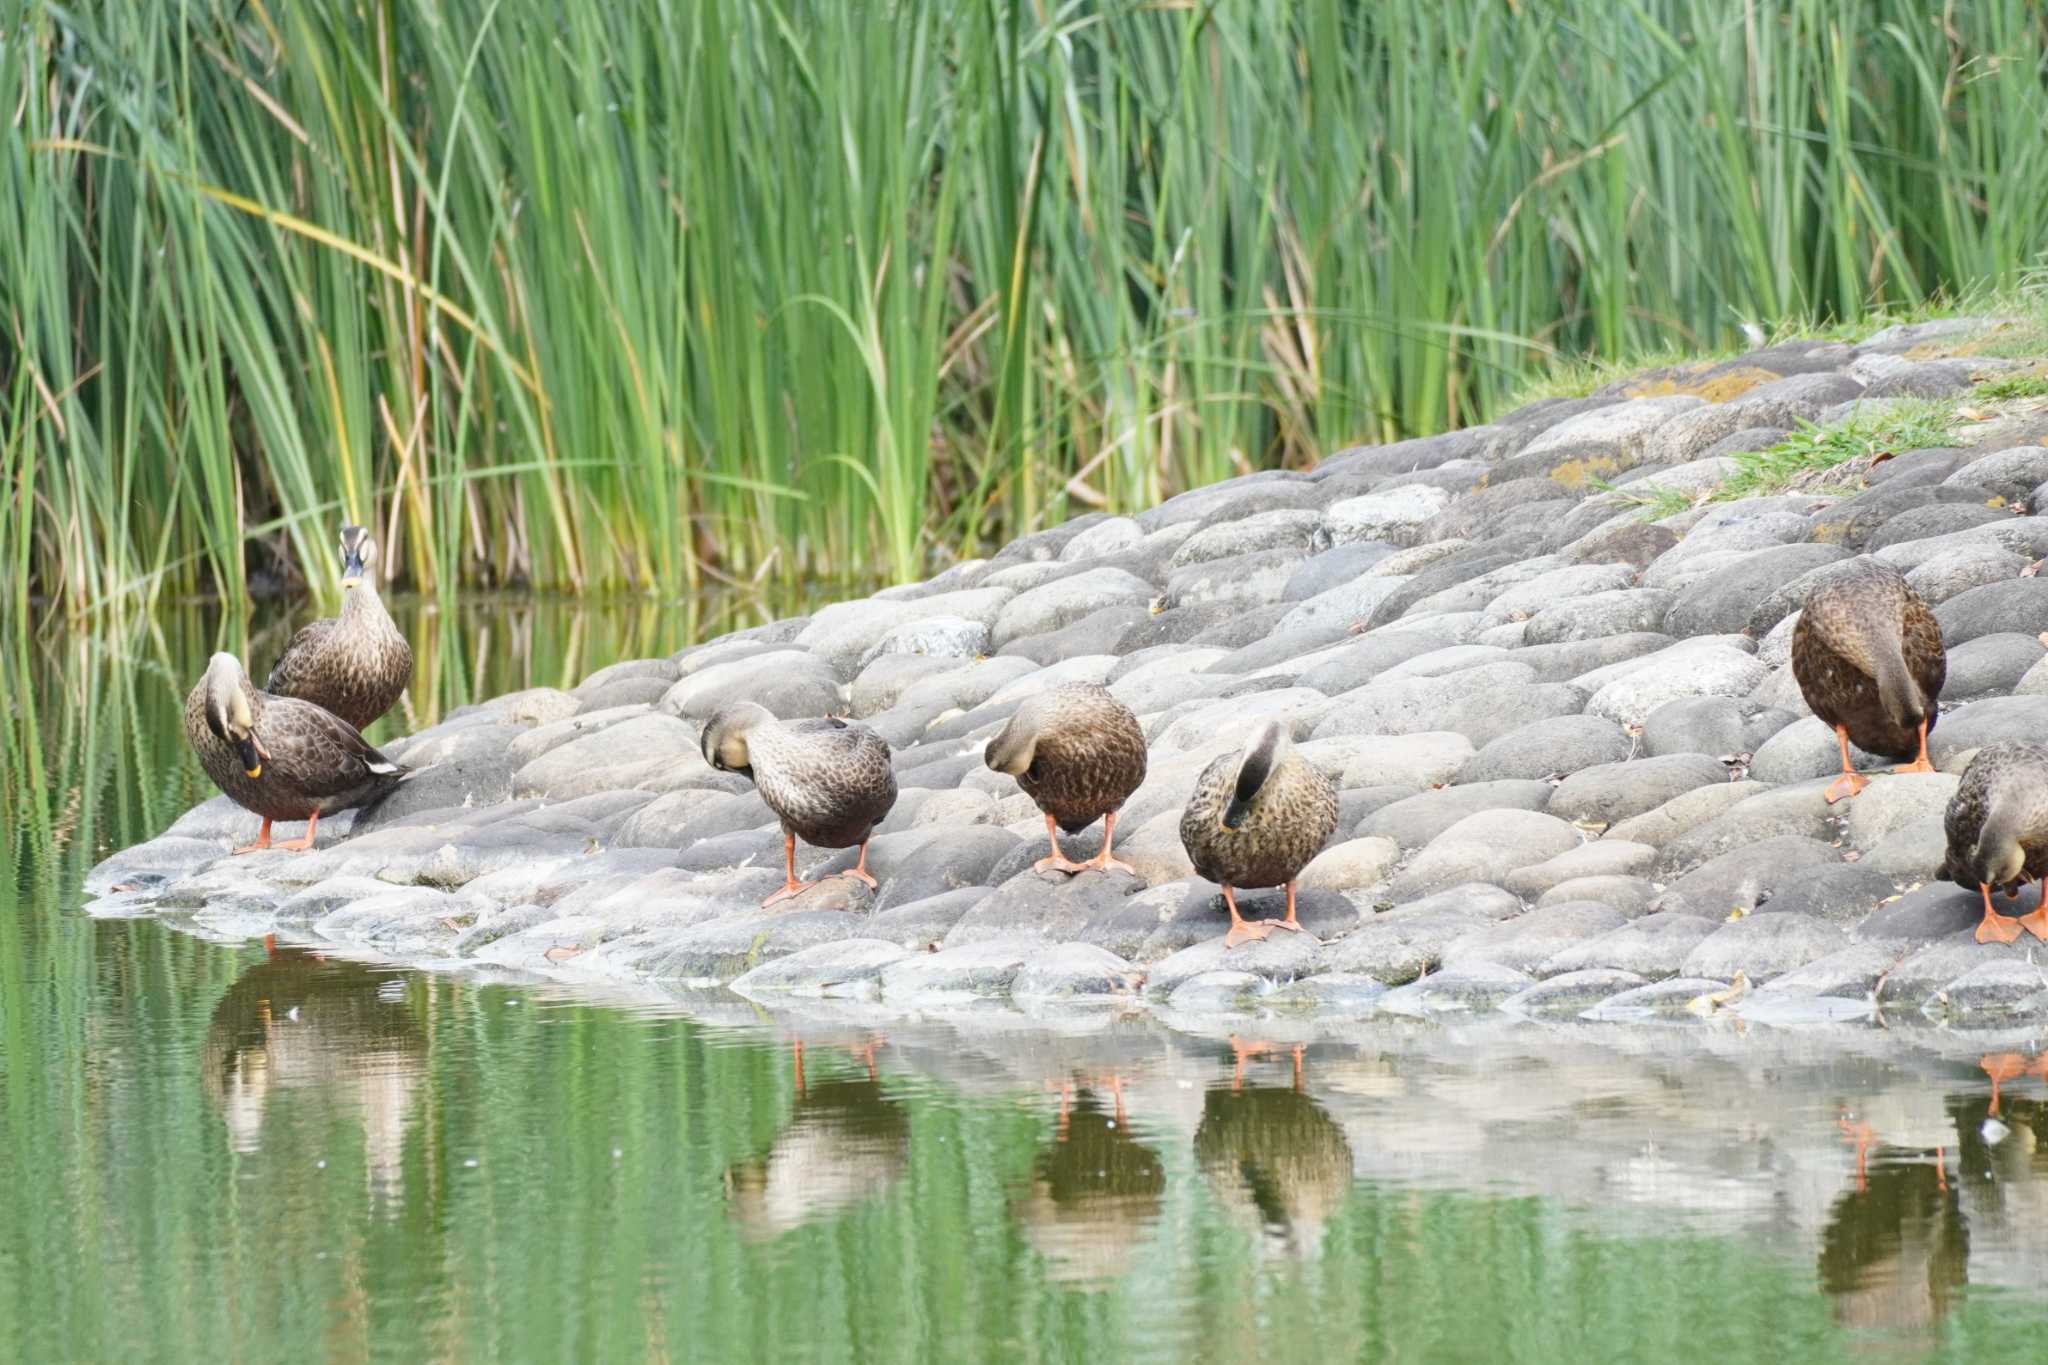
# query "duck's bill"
(352, 572)
(1234, 814)
(251, 755)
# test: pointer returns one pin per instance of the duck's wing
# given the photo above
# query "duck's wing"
(1920, 637)
(292, 671)
(317, 751)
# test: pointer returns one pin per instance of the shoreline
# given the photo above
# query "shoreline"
(1574, 773)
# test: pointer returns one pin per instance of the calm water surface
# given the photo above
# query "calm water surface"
(251, 1151)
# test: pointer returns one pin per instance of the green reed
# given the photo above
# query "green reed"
(666, 292)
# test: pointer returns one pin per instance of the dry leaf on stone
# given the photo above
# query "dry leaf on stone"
(562, 952)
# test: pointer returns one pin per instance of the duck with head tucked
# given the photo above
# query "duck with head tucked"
(357, 664)
(1257, 817)
(1997, 827)
(828, 780)
(1078, 752)
(282, 758)
(1869, 659)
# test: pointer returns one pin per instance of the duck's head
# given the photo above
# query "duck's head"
(2000, 860)
(358, 556)
(1905, 705)
(1269, 746)
(228, 713)
(725, 736)
(1014, 747)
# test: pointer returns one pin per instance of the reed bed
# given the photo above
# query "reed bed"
(657, 293)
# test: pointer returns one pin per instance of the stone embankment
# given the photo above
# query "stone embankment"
(1577, 777)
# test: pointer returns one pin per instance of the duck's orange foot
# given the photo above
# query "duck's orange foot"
(1103, 863)
(1918, 765)
(1246, 931)
(1058, 862)
(1846, 786)
(860, 876)
(1292, 926)
(298, 845)
(1997, 927)
(788, 889)
(2035, 922)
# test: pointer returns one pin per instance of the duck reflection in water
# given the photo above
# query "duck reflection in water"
(297, 1021)
(2002, 1067)
(846, 1142)
(1275, 1158)
(1095, 1190)
(1895, 1251)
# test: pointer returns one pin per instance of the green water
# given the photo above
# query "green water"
(233, 1151)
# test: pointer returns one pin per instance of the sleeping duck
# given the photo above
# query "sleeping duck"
(1256, 819)
(1078, 752)
(282, 758)
(1869, 659)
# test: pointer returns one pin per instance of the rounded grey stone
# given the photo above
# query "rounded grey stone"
(1745, 878)
(2014, 605)
(1713, 726)
(1561, 744)
(1570, 994)
(1612, 792)
(1726, 601)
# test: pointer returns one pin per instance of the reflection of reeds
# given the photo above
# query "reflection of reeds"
(661, 295)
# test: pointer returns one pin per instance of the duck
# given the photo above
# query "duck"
(1275, 1159)
(830, 781)
(1256, 818)
(1868, 657)
(1997, 826)
(357, 664)
(1078, 753)
(280, 757)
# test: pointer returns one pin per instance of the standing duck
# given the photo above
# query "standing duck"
(1868, 656)
(282, 758)
(1256, 819)
(1078, 752)
(356, 664)
(1997, 824)
(828, 780)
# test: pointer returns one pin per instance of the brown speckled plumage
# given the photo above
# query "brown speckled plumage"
(1075, 750)
(357, 664)
(1286, 822)
(2003, 795)
(829, 781)
(1859, 633)
(313, 762)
